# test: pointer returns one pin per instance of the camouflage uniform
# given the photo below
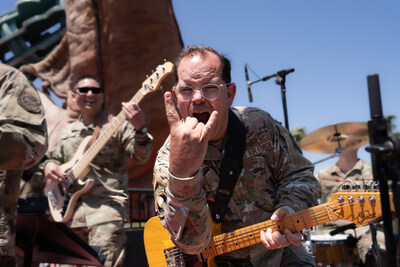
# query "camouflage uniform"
(331, 180)
(105, 205)
(23, 142)
(274, 174)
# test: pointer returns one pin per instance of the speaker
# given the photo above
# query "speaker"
(135, 254)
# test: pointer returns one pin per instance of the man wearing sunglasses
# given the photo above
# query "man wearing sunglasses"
(100, 214)
(273, 181)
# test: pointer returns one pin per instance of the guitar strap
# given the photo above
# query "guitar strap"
(93, 138)
(231, 164)
(97, 131)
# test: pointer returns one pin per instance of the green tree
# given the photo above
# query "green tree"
(299, 133)
(391, 126)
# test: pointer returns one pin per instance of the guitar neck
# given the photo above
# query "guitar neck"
(103, 137)
(250, 235)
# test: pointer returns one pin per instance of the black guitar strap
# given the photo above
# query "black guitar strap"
(231, 164)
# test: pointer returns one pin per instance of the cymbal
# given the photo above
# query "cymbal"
(326, 140)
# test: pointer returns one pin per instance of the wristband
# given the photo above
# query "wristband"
(142, 130)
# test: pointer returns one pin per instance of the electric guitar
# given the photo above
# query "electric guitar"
(62, 197)
(357, 207)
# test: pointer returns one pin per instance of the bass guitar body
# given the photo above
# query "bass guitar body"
(62, 197)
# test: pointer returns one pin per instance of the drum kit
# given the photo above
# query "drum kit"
(340, 249)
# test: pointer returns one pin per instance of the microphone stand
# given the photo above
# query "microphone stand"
(280, 80)
(385, 156)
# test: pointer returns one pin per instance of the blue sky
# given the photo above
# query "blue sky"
(332, 45)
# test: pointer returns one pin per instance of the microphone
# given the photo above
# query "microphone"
(248, 83)
(284, 72)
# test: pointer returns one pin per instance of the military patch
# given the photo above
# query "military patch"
(29, 102)
(258, 149)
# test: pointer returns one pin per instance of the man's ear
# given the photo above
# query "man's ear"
(231, 92)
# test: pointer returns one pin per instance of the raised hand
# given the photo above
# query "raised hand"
(133, 114)
(189, 140)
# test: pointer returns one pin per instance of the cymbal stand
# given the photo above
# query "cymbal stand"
(338, 152)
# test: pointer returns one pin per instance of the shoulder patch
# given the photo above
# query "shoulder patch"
(30, 103)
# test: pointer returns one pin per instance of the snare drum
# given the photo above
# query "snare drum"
(334, 249)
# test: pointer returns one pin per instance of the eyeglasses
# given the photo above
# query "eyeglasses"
(209, 91)
(85, 90)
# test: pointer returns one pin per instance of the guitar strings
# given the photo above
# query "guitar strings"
(115, 122)
(220, 241)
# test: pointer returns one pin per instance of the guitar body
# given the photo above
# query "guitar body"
(357, 207)
(62, 199)
(161, 251)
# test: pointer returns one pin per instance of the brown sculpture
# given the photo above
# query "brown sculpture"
(120, 42)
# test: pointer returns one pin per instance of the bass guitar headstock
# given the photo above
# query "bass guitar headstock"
(153, 82)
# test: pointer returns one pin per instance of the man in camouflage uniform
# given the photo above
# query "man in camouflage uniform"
(349, 171)
(23, 142)
(275, 179)
(100, 214)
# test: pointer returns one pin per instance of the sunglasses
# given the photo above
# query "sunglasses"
(85, 90)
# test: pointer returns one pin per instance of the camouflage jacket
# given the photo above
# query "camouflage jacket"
(23, 142)
(274, 174)
(23, 130)
(107, 200)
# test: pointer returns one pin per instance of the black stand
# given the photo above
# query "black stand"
(385, 158)
(280, 79)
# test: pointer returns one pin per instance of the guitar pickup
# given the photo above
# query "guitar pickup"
(53, 198)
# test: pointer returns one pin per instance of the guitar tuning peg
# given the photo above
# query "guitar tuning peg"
(350, 199)
(367, 187)
(356, 187)
(345, 187)
(372, 199)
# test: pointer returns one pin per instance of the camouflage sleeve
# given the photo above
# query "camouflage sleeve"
(23, 130)
(58, 155)
(138, 146)
(181, 205)
(297, 187)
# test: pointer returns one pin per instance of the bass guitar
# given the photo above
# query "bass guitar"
(357, 207)
(62, 197)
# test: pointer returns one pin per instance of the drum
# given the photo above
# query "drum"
(335, 249)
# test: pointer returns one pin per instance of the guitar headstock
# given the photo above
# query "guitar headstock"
(357, 207)
(153, 82)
